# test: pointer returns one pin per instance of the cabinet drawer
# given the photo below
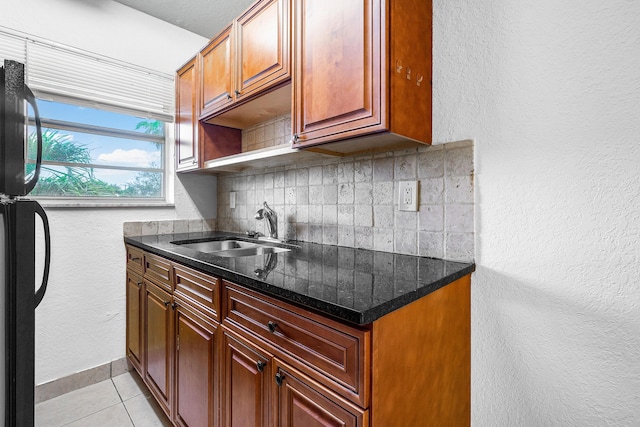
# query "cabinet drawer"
(135, 258)
(338, 352)
(199, 288)
(158, 270)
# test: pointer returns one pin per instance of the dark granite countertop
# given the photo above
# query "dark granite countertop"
(352, 285)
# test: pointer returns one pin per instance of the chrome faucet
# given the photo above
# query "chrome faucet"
(272, 220)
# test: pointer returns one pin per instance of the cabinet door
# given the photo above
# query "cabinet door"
(301, 402)
(195, 369)
(262, 47)
(247, 375)
(216, 74)
(135, 320)
(158, 344)
(337, 86)
(187, 154)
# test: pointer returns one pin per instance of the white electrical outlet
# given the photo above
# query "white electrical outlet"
(408, 197)
(232, 199)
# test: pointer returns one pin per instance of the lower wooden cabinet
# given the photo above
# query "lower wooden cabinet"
(158, 333)
(216, 354)
(135, 320)
(260, 390)
(196, 361)
(300, 402)
(247, 382)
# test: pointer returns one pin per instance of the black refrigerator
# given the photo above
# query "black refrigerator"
(20, 290)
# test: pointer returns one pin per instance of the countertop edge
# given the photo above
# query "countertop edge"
(338, 312)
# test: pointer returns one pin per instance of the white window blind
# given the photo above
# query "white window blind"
(12, 47)
(65, 74)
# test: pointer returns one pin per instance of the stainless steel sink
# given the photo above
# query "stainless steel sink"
(216, 245)
(231, 248)
(258, 250)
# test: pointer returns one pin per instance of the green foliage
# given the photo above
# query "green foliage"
(146, 184)
(154, 127)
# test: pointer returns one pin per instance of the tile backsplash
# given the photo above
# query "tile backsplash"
(353, 201)
(274, 132)
(146, 228)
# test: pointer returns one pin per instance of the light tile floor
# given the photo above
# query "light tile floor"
(122, 401)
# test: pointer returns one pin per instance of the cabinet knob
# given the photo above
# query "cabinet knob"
(272, 326)
(166, 303)
(260, 365)
(238, 92)
(279, 378)
(174, 305)
(135, 258)
(229, 95)
(295, 138)
(139, 284)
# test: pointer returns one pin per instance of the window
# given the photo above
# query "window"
(105, 125)
(91, 153)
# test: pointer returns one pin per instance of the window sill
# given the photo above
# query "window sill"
(60, 203)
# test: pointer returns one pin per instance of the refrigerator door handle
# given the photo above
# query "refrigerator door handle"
(47, 255)
(31, 99)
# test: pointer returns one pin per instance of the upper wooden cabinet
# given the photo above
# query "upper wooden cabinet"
(361, 68)
(186, 118)
(262, 47)
(196, 141)
(249, 57)
(216, 77)
(359, 72)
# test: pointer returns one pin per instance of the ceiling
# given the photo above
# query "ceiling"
(204, 17)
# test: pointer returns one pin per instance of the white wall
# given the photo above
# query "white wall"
(550, 92)
(81, 322)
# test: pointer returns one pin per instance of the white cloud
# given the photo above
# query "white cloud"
(133, 157)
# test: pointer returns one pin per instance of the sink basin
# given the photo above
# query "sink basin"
(231, 248)
(258, 250)
(216, 245)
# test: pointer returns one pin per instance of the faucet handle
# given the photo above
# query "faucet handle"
(253, 234)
